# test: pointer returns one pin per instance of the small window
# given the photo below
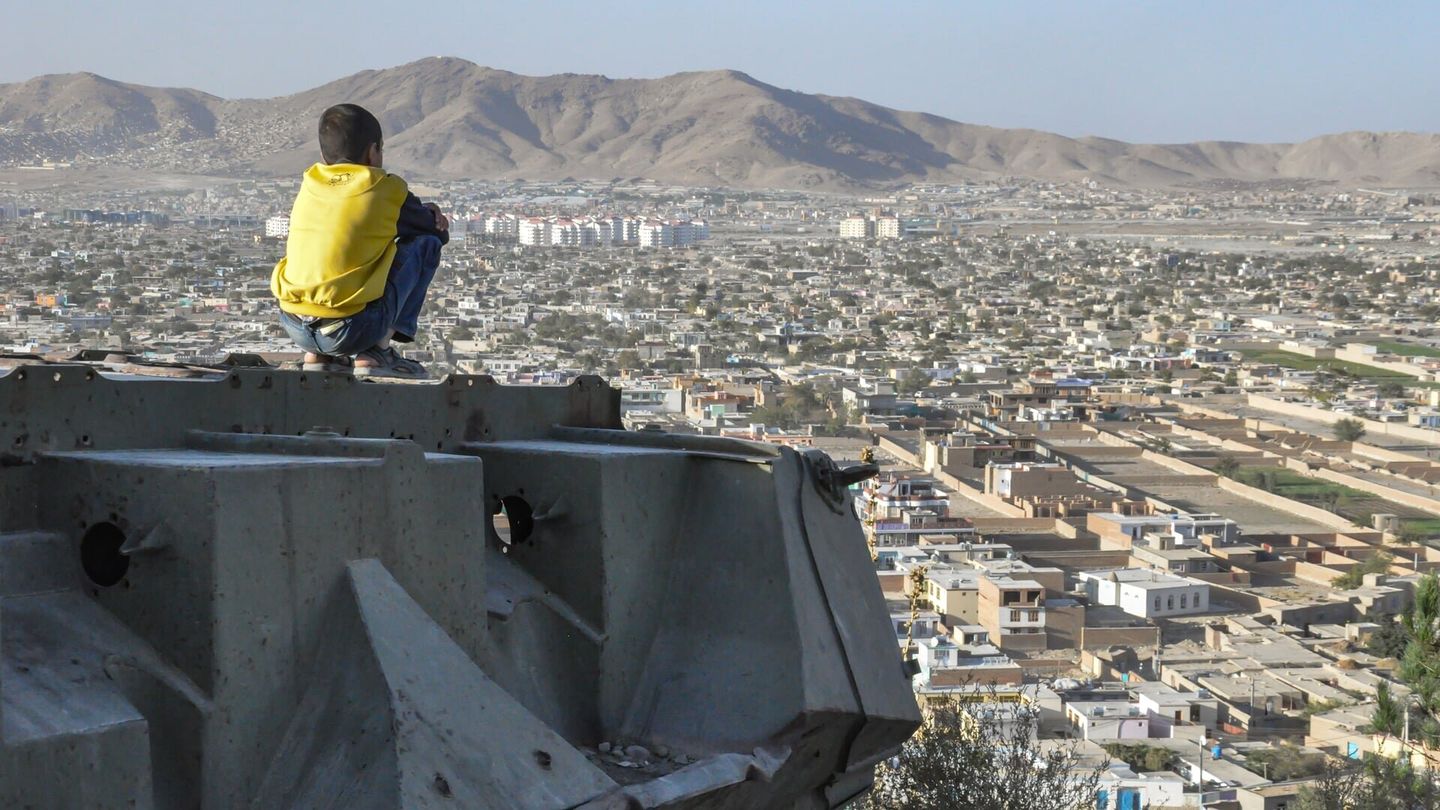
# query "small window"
(1170, 602)
(1157, 603)
(1184, 601)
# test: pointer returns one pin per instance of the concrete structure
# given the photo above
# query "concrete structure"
(1021, 479)
(1124, 531)
(1122, 789)
(955, 595)
(258, 588)
(1107, 721)
(1013, 612)
(857, 228)
(1145, 593)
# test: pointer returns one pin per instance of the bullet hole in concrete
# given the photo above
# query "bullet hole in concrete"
(512, 521)
(100, 554)
(522, 517)
(543, 759)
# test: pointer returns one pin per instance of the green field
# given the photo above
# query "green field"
(1352, 504)
(1406, 349)
(1300, 362)
(1430, 527)
(1291, 484)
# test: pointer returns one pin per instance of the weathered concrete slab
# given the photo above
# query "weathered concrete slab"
(397, 715)
(183, 620)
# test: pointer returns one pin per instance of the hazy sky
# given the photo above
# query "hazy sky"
(1141, 71)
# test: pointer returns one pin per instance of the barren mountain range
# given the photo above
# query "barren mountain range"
(449, 118)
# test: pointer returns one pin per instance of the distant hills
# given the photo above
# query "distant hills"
(449, 118)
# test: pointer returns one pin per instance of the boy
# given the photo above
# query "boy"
(360, 256)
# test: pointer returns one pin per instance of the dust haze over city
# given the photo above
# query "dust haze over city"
(1109, 329)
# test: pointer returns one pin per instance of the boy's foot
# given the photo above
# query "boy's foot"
(387, 362)
(338, 363)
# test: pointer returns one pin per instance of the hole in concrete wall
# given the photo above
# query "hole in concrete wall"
(512, 522)
(100, 554)
(522, 517)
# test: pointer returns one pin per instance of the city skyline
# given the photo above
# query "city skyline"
(1145, 74)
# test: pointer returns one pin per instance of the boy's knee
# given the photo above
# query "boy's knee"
(426, 247)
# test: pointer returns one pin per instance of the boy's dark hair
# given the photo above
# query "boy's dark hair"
(346, 131)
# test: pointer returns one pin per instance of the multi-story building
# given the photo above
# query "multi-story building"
(892, 495)
(1013, 612)
(565, 233)
(909, 528)
(534, 231)
(954, 593)
(278, 227)
(887, 228)
(857, 228)
(503, 228)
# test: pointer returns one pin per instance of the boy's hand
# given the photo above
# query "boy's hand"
(441, 223)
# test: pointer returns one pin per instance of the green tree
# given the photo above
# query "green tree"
(1286, 761)
(1228, 466)
(1349, 430)
(912, 381)
(985, 760)
(1377, 563)
(628, 359)
(1376, 783)
(1142, 758)
(1387, 642)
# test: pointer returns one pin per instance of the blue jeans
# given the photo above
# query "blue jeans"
(397, 312)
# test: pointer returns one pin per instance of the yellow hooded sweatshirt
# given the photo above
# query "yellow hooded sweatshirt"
(342, 240)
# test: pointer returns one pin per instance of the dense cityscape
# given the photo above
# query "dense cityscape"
(1159, 464)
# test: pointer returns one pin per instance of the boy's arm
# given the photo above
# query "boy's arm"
(417, 219)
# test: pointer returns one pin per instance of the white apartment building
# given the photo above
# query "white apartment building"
(564, 233)
(887, 228)
(278, 226)
(856, 228)
(1147, 594)
(503, 226)
(601, 231)
(534, 231)
(656, 234)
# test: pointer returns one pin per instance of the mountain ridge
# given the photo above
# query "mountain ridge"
(449, 118)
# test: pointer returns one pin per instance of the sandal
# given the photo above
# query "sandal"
(388, 363)
(337, 363)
